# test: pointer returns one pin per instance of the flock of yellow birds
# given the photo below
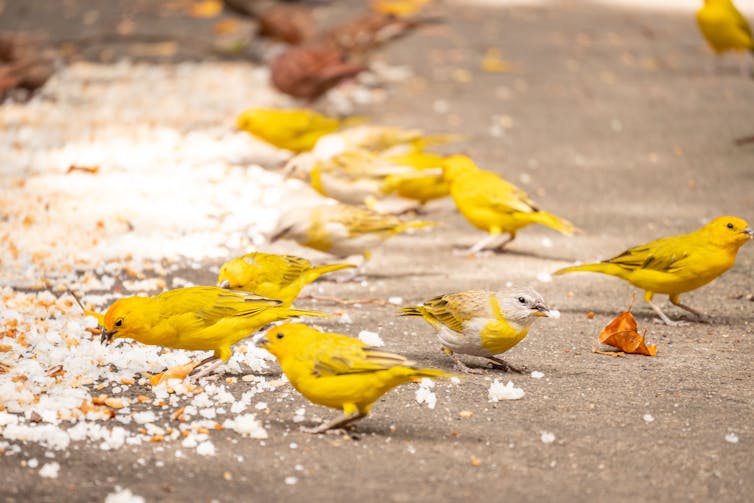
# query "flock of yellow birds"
(360, 166)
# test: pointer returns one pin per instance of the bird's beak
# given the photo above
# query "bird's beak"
(106, 337)
(543, 311)
(224, 284)
(262, 342)
(749, 232)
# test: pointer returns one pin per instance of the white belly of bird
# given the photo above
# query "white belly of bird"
(468, 342)
(349, 191)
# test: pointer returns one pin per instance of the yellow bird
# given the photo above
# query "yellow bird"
(338, 371)
(198, 318)
(677, 264)
(723, 26)
(383, 140)
(419, 186)
(494, 205)
(294, 129)
(481, 322)
(361, 177)
(340, 229)
(274, 276)
(398, 8)
(424, 184)
(352, 177)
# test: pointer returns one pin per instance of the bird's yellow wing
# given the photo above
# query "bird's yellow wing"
(210, 304)
(741, 22)
(665, 255)
(454, 309)
(349, 356)
(280, 269)
(359, 222)
(489, 189)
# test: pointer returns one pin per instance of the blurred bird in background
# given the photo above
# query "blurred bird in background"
(494, 205)
(341, 230)
(724, 27)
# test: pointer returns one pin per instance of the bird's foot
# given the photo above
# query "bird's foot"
(508, 368)
(461, 367)
(338, 424)
(463, 251)
(671, 323)
(323, 429)
(197, 374)
(499, 363)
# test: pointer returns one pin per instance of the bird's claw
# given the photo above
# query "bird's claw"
(671, 323)
(461, 367)
(509, 368)
(468, 370)
(322, 430)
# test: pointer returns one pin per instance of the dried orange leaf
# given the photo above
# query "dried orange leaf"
(208, 8)
(622, 333)
(177, 372)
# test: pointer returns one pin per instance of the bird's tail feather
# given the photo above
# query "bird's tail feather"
(559, 224)
(601, 267)
(413, 224)
(316, 272)
(411, 311)
(421, 312)
(430, 373)
(293, 312)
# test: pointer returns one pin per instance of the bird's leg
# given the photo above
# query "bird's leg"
(338, 423)
(479, 246)
(500, 363)
(664, 317)
(353, 274)
(206, 370)
(501, 247)
(675, 299)
(203, 362)
(459, 365)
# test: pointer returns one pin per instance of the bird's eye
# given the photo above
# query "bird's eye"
(119, 323)
(279, 335)
(522, 300)
(729, 226)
